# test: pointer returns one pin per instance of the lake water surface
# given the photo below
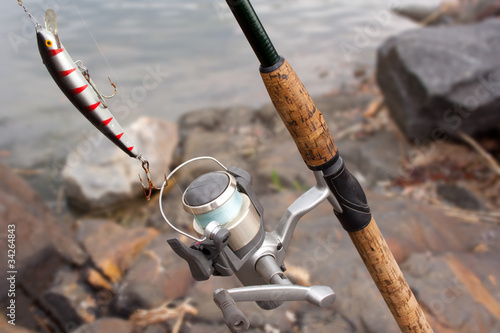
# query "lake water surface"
(195, 47)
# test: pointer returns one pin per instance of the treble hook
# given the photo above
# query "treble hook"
(148, 190)
(114, 86)
(86, 75)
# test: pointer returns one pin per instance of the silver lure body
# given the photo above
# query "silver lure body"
(78, 90)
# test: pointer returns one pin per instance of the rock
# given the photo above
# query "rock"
(325, 321)
(95, 279)
(459, 196)
(483, 9)
(439, 80)
(112, 248)
(155, 328)
(421, 12)
(413, 227)
(99, 176)
(282, 160)
(374, 159)
(458, 12)
(41, 247)
(106, 325)
(7, 328)
(208, 327)
(70, 299)
(216, 118)
(455, 295)
(156, 276)
(227, 134)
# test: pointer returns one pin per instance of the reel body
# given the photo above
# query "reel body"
(229, 218)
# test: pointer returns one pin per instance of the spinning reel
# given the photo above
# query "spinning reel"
(228, 218)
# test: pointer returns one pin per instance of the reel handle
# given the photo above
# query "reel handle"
(235, 319)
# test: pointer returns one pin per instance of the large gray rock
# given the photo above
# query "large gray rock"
(98, 175)
(439, 80)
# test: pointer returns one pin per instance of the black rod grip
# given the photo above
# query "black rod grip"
(345, 187)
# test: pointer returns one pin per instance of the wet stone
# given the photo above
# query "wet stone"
(103, 177)
(107, 325)
(70, 299)
(41, 245)
(156, 276)
(459, 196)
(454, 294)
(111, 247)
(429, 94)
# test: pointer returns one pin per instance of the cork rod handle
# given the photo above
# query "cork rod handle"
(300, 115)
(389, 279)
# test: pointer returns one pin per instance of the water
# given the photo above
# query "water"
(202, 58)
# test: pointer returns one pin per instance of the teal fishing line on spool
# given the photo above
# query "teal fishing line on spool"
(224, 214)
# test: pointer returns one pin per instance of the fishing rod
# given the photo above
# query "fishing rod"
(316, 145)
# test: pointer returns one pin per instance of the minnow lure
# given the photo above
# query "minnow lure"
(75, 83)
(74, 80)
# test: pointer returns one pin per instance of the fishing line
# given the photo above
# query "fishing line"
(95, 41)
(32, 18)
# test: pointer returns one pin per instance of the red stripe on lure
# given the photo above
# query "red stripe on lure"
(66, 73)
(107, 121)
(93, 106)
(79, 90)
(55, 52)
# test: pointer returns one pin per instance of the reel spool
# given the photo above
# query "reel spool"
(214, 198)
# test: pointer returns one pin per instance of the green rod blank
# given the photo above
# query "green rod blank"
(254, 32)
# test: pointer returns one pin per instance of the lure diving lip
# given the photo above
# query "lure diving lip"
(79, 89)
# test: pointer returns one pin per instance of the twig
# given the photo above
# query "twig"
(299, 275)
(374, 107)
(351, 129)
(487, 156)
(467, 215)
(432, 17)
(163, 313)
(178, 322)
(28, 172)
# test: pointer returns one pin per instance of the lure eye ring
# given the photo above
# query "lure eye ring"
(48, 42)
